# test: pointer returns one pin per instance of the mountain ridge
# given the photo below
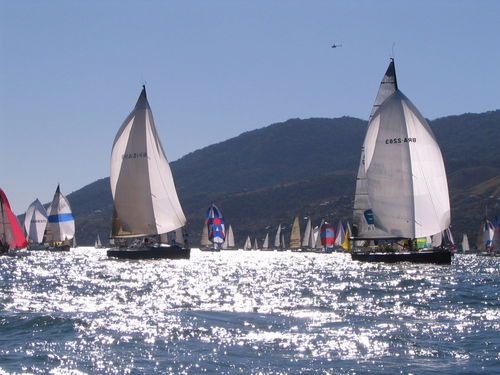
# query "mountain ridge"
(304, 167)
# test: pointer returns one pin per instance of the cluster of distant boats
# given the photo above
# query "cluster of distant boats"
(401, 205)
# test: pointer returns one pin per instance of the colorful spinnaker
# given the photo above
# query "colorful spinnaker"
(215, 225)
(11, 234)
(327, 234)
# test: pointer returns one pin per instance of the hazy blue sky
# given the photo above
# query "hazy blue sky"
(71, 71)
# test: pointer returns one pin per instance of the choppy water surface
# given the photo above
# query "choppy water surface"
(247, 313)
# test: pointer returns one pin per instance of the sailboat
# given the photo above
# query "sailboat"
(35, 221)
(248, 244)
(145, 200)
(229, 241)
(11, 233)
(327, 235)
(465, 243)
(401, 188)
(277, 238)
(97, 243)
(265, 244)
(340, 237)
(214, 221)
(295, 234)
(60, 228)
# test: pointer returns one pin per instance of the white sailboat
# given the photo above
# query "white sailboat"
(97, 243)
(146, 204)
(248, 244)
(60, 228)
(306, 239)
(465, 243)
(277, 238)
(265, 244)
(295, 234)
(35, 222)
(229, 242)
(403, 192)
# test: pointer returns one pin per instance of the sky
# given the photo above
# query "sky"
(71, 71)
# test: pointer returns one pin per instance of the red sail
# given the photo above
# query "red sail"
(10, 231)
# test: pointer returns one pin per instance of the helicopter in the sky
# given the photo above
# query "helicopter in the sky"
(336, 45)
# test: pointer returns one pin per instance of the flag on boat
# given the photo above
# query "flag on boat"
(327, 234)
(215, 224)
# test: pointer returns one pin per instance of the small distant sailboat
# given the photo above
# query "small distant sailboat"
(255, 244)
(229, 243)
(295, 234)
(35, 222)
(11, 233)
(214, 221)
(265, 244)
(465, 243)
(97, 243)
(60, 228)
(278, 238)
(248, 244)
(340, 236)
(327, 235)
(146, 204)
(401, 189)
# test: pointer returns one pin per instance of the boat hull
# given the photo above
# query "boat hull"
(151, 252)
(435, 257)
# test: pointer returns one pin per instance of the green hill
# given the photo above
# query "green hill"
(308, 168)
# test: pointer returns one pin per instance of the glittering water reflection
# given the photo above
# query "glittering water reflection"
(246, 313)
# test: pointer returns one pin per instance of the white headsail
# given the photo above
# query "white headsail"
(35, 221)
(142, 185)
(406, 179)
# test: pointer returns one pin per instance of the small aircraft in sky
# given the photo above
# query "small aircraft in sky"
(336, 45)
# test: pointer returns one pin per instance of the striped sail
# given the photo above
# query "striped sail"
(35, 221)
(215, 225)
(142, 185)
(327, 234)
(61, 223)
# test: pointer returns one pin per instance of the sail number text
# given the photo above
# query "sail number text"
(400, 140)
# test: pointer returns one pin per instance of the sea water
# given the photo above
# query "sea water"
(247, 312)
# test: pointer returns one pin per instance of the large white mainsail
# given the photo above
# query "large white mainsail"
(142, 185)
(35, 221)
(362, 216)
(405, 175)
(61, 223)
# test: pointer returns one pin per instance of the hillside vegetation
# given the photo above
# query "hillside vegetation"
(306, 167)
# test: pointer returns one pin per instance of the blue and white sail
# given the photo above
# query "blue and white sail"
(61, 223)
(215, 225)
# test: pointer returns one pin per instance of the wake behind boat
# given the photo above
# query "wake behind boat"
(401, 206)
(146, 205)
